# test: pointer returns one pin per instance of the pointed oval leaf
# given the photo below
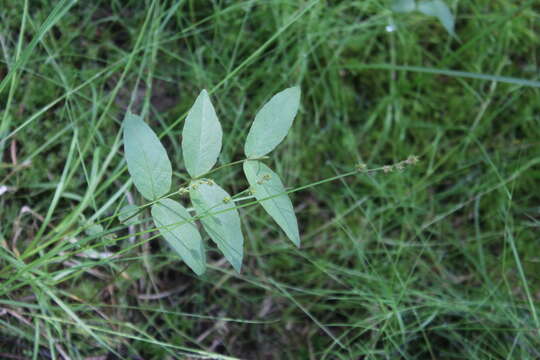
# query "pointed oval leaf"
(439, 9)
(94, 229)
(220, 219)
(272, 123)
(201, 137)
(128, 215)
(269, 190)
(177, 227)
(403, 6)
(147, 160)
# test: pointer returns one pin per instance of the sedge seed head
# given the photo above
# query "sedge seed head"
(412, 160)
(361, 167)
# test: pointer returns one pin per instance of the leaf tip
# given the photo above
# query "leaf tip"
(296, 90)
(199, 271)
(294, 236)
(129, 116)
(237, 266)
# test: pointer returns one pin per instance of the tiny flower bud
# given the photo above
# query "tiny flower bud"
(361, 167)
(412, 159)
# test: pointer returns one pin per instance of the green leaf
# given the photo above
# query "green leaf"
(94, 229)
(201, 137)
(177, 227)
(128, 215)
(403, 5)
(438, 9)
(210, 201)
(272, 123)
(147, 160)
(269, 190)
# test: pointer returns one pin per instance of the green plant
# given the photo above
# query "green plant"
(151, 171)
(435, 263)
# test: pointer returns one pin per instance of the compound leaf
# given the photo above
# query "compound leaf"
(201, 137)
(220, 219)
(269, 190)
(176, 226)
(272, 123)
(147, 160)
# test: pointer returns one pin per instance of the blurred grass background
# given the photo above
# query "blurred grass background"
(439, 261)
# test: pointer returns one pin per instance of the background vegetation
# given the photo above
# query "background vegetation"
(438, 261)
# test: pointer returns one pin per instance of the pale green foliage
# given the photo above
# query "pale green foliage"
(269, 190)
(220, 219)
(403, 5)
(177, 227)
(201, 137)
(94, 229)
(147, 160)
(272, 123)
(128, 215)
(150, 169)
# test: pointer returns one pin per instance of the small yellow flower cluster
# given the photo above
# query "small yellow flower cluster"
(411, 160)
(227, 199)
(361, 167)
(264, 179)
(194, 185)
